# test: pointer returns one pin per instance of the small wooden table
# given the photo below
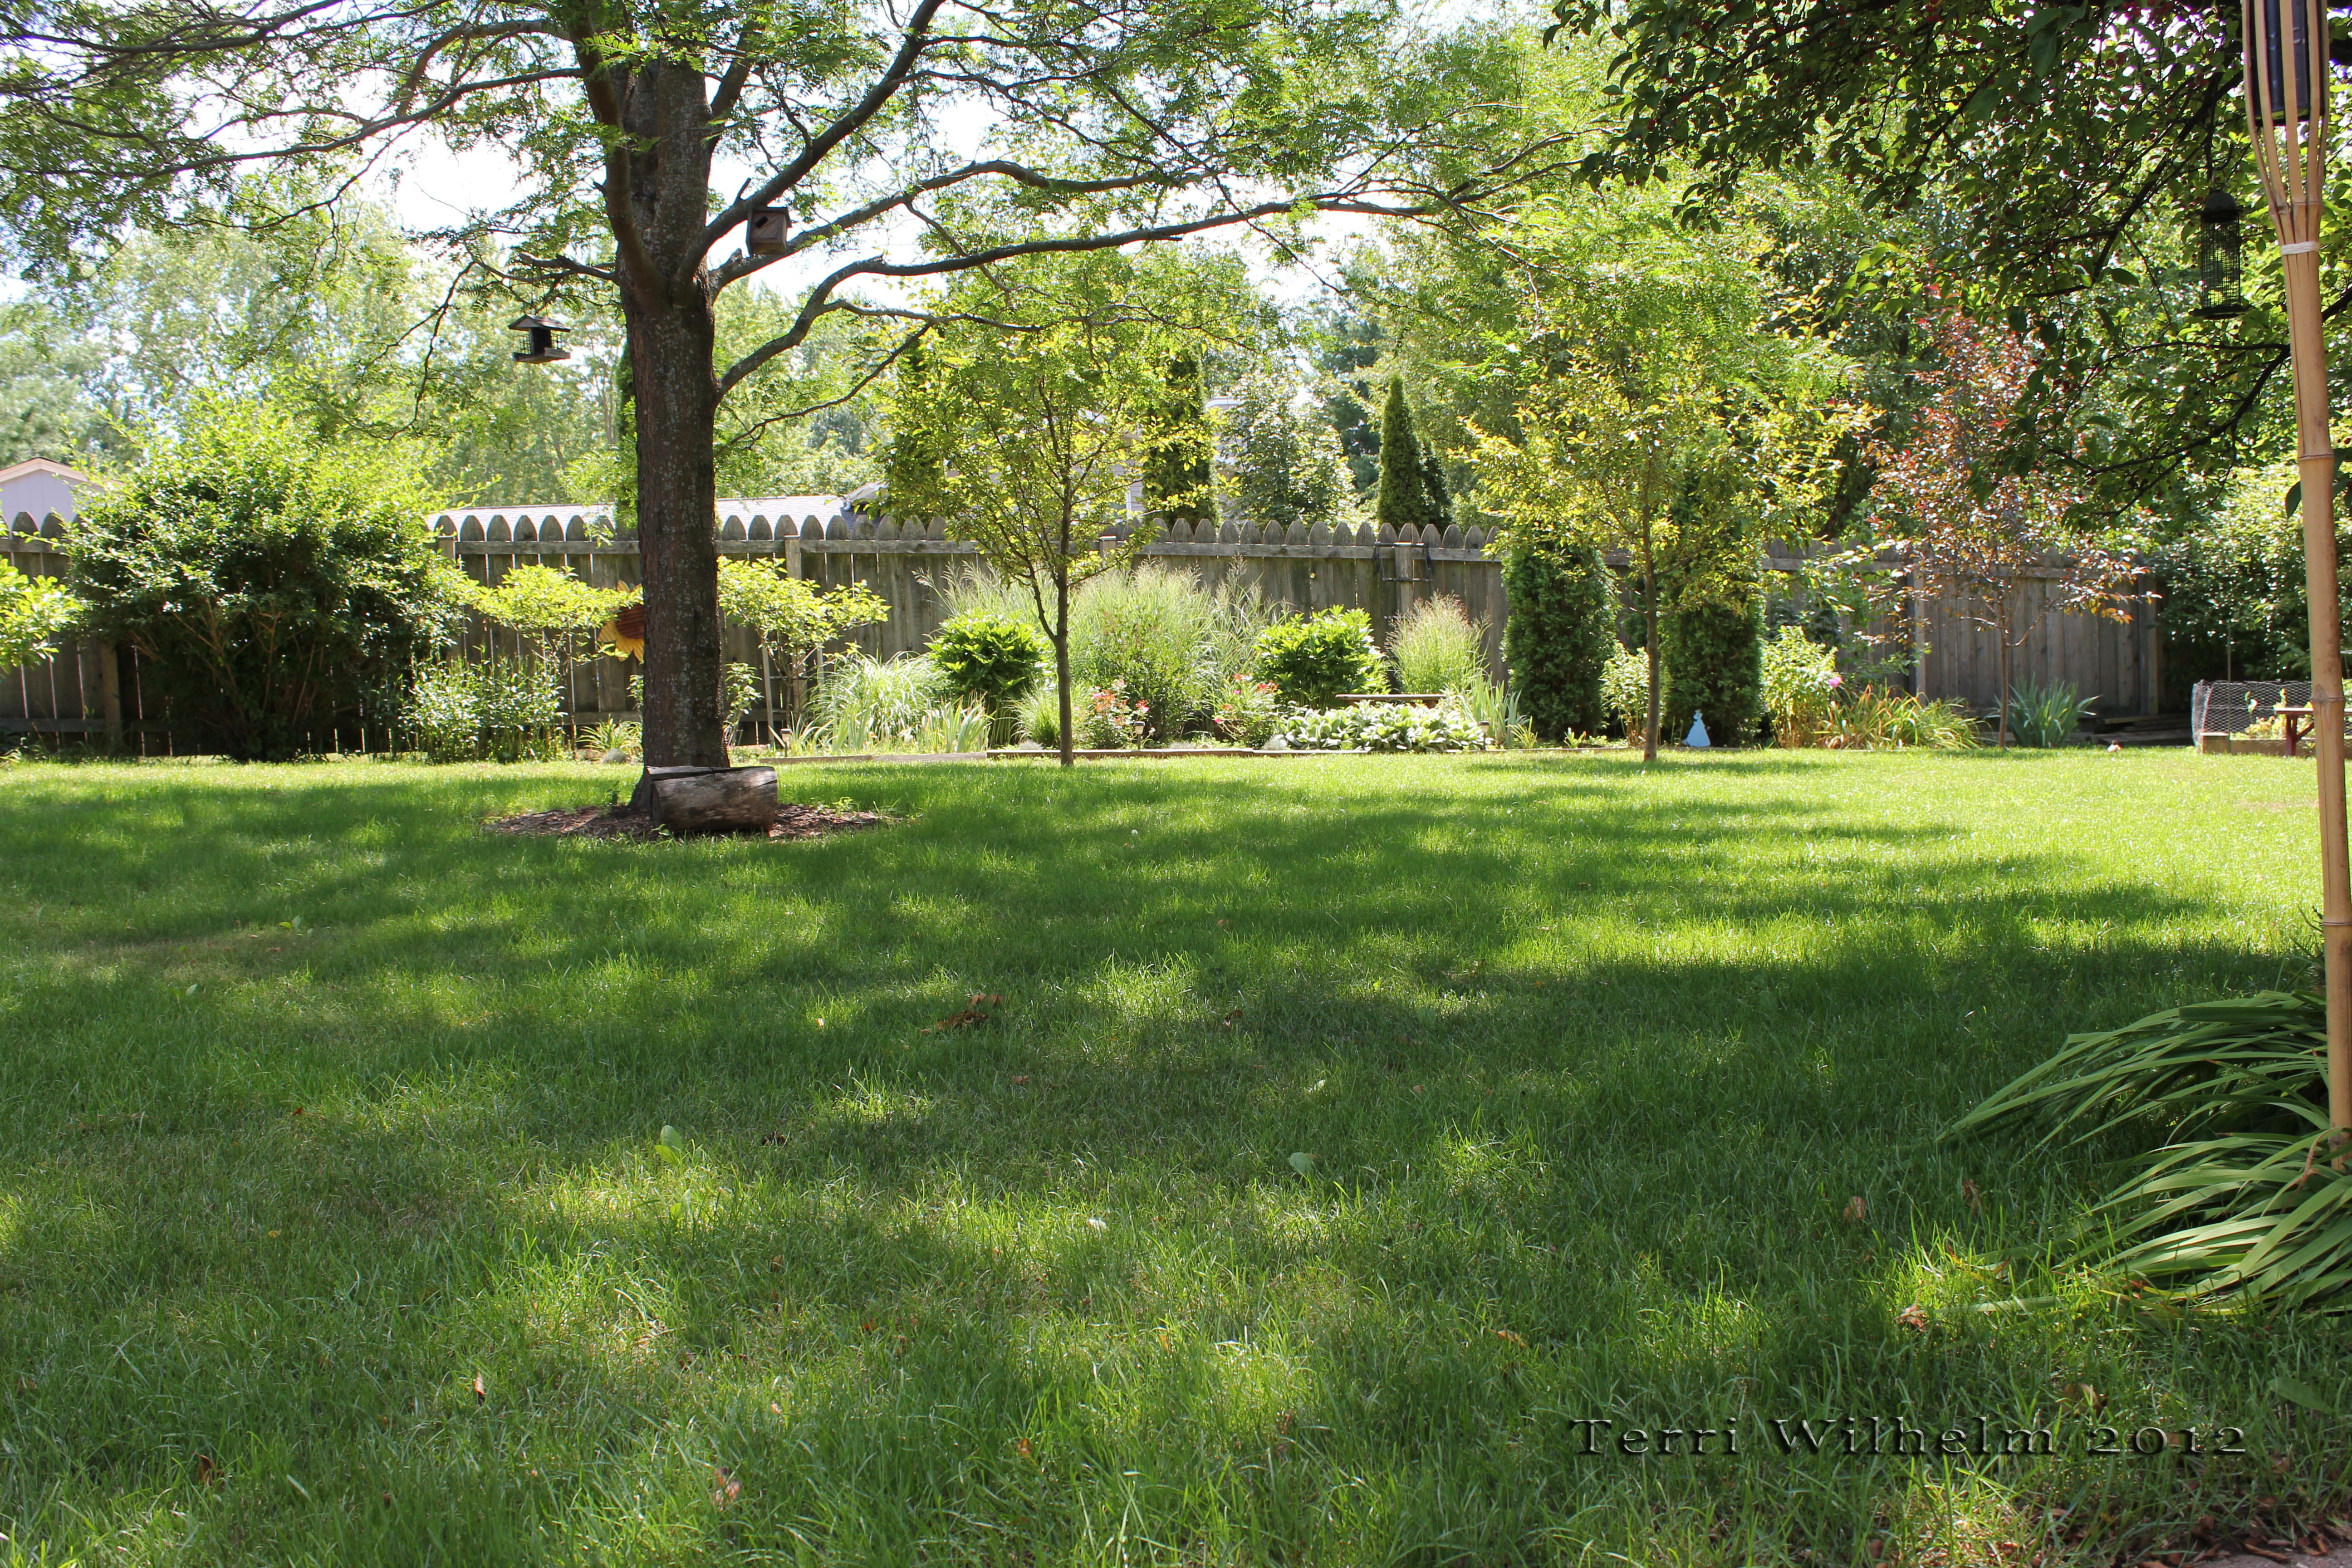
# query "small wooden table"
(2296, 722)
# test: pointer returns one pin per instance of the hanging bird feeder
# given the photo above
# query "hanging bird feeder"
(764, 232)
(539, 338)
(2220, 295)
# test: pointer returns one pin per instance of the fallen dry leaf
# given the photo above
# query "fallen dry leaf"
(2081, 1397)
(727, 1490)
(1856, 1210)
(975, 1012)
(481, 1393)
(1973, 1195)
(1913, 1317)
(1507, 1334)
(207, 1473)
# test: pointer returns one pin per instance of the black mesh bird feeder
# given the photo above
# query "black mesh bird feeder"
(2220, 295)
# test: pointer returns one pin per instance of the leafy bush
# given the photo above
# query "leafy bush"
(614, 735)
(1625, 690)
(2045, 715)
(1312, 660)
(2236, 1199)
(33, 610)
(1437, 648)
(1713, 650)
(1561, 637)
(502, 711)
(1249, 712)
(268, 582)
(1386, 726)
(1800, 686)
(739, 693)
(1174, 642)
(991, 659)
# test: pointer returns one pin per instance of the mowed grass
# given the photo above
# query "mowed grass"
(333, 1228)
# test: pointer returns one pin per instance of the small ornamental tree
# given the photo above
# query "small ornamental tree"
(268, 583)
(1044, 405)
(1412, 490)
(1970, 531)
(790, 616)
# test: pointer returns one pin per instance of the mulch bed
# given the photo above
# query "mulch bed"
(621, 822)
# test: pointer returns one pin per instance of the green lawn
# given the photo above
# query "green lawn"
(331, 1228)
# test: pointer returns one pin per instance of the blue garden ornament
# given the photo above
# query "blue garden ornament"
(1697, 737)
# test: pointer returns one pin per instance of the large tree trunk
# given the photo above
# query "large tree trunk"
(667, 303)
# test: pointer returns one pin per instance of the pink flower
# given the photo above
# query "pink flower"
(1836, 681)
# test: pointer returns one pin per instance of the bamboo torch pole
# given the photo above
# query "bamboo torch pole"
(2286, 109)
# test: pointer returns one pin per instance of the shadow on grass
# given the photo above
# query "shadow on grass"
(1586, 1078)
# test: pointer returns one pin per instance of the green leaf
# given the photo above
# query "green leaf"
(2294, 496)
(1303, 1164)
(2295, 1392)
(670, 1147)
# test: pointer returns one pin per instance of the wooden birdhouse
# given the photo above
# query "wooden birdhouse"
(764, 232)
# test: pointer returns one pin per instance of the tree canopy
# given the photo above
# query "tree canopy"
(887, 146)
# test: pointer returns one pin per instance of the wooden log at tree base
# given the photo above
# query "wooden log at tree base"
(718, 800)
(642, 798)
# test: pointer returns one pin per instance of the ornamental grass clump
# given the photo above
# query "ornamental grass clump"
(1438, 648)
(2240, 1197)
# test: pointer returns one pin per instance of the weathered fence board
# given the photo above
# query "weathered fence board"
(86, 692)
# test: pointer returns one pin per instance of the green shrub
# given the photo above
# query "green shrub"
(1312, 660)
(269, 582)
(1174, 642)
(1714, 665)
(1625, 690)
(501, 710)
(1561, 637)
(1040, 719)
(1437, 648)
(33, 610)
(1249, 712)
(993, 659)
(1800, 686)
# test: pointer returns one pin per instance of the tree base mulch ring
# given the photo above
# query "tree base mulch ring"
(619, 822)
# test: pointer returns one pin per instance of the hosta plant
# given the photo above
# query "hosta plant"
(1387, 727)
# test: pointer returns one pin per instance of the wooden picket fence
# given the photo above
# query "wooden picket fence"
(90, 692)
